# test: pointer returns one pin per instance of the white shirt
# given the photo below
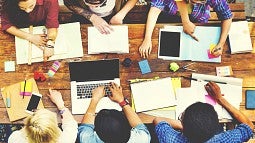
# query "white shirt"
(105, 10)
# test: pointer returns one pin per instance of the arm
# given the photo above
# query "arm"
(117, 96)
(188, 26)
(176, 124)
(146, 47)
(118, 18)
(225, 26)
(214, 90)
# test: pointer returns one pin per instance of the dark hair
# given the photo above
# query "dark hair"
(200, 122)
(112, 126)
(16, 16)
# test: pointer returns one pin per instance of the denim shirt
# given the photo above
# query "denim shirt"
(139, 134)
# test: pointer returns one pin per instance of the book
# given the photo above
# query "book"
(148, 96)
(66, 45)
(115, 42)
(239, 37)
(15, 103)
(174, 44)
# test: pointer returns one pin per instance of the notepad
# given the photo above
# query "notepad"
(154, 94)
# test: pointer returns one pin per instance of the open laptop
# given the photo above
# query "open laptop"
(88, 75)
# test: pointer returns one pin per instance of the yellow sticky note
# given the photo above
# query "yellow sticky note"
(211, 47)
(176, 82)
(26, 88)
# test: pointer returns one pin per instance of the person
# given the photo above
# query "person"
(199, 123)
(199, 12)
(110, 125)
(101, 12)
(23, 13)
(42, 126)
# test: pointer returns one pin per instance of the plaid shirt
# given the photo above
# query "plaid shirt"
(200, 12)
(166, 134)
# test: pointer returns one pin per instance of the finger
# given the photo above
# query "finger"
(194, 37)
(50, 90)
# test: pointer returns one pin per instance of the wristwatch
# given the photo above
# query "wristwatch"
(124, 103)
(50, 44)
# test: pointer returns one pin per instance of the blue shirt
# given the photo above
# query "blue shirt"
(200, 12)
(139, 134)
(166, 134)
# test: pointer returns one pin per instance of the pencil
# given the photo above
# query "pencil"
(30, 46)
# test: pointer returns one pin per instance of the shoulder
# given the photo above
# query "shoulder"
(140, 134)
(17, 136)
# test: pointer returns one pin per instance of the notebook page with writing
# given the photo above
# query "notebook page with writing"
(153, 94)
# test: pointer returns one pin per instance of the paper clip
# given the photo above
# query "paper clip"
(188, 69)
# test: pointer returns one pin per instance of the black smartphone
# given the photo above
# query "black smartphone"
(250, 99)
(33, 102)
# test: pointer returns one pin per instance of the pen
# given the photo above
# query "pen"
(24, 88)
(217, 49)
(190, 78)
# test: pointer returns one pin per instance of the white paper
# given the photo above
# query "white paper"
(68, 44)
(153, 94)
(115, 42)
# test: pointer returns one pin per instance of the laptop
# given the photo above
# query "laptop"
(87, 75)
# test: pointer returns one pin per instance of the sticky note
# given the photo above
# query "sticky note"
(9, 66)
(53, 69)
(144, 66)
(224, 71)
(27, 87)
(210, 100)
(210, 55)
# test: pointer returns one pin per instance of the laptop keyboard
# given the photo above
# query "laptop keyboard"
(85, 91)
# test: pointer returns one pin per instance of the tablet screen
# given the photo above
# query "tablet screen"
(169, 44)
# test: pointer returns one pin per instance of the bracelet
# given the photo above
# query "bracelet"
(62, 111)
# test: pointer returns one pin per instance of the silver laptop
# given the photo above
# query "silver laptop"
(87, 75)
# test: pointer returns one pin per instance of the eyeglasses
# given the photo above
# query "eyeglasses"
(180, 117)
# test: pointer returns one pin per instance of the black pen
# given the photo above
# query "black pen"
(190, 78)
(24, 88)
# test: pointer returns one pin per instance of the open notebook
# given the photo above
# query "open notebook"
(174, 44)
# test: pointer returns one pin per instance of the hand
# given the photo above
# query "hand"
(38, 39)
(217, 50)
(56, 97)
(116, 19)
(101, 25)
(47, 52)
(98, 93)
(145, 48)
(117, 95)
(189, 28)
(214, 90)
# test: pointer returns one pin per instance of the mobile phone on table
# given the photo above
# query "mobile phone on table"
(33, 102)
(250, 99)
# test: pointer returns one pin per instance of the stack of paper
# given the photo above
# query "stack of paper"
(174, 44)
(239, 37)
(115, 42)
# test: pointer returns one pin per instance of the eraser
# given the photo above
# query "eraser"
(9, 66)
(53, 69)
(26, 89)
(144, 66)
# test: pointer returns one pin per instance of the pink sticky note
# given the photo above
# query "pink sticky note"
(211, 56)
(210, 100)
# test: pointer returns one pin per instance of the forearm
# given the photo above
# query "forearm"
(52, 33)
(238, 115)
(183, 9)
(151, 21)
(89, 116)
(176, 124)
(127, 7)
(132, 117)
(66, 115)
(19, 33)
(225, 26)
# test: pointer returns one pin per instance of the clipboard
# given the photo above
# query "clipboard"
(18, 105)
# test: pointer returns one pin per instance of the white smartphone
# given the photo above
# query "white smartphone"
(33, 102)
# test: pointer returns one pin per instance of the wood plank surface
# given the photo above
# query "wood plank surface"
(242, 64)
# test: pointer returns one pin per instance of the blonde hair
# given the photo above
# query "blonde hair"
(42, 126)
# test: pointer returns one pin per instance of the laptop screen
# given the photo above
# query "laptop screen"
(94, 70)
(169, 44)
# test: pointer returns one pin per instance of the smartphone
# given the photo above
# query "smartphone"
(33, 102)
(250, 99)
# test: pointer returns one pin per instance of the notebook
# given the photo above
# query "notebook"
(92, 73)
(174, 44)
(115, 42)
(154, 94)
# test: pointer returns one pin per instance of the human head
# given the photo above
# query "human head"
(200, 122)
(42, 127)
(112, 126)
(27, 5)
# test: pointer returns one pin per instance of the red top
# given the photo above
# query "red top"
(44, 12)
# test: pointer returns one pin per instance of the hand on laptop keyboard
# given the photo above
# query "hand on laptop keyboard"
(85, 91)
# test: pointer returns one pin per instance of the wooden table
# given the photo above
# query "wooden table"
(243, 67)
